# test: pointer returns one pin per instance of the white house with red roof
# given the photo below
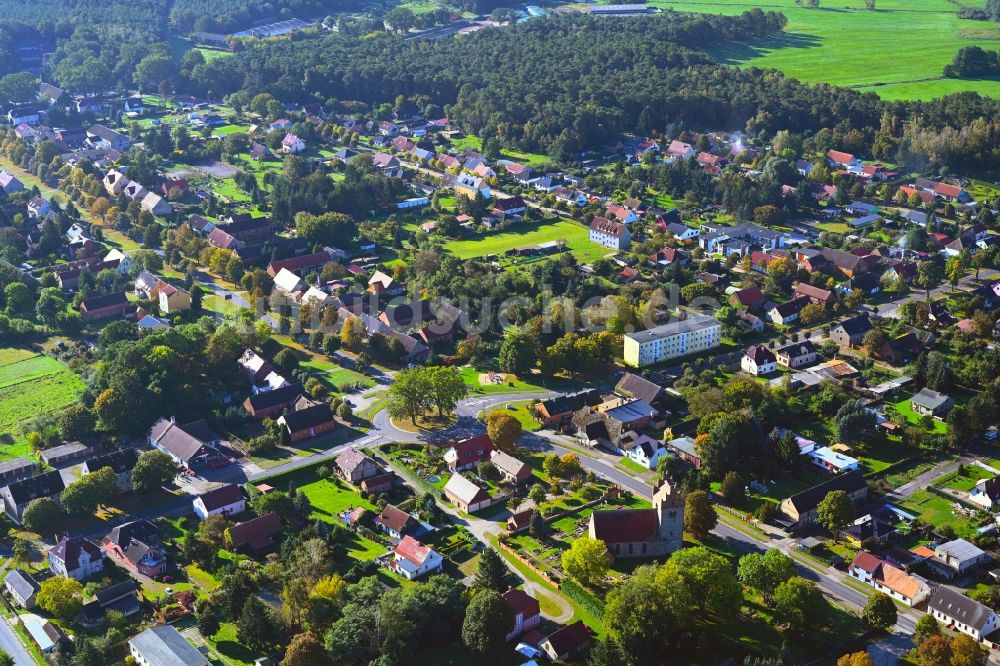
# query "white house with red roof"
(292, 144)
(888, 579)
(466, 453)
(525, 609)
(680, 150)
(510, 206)
(623, 214)
(412, 559)
(614, 235)
(843, 160)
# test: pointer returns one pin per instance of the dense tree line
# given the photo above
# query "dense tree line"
(645, 74)
(972, 61)
(227, 15)
(60, 17)
(493, 79)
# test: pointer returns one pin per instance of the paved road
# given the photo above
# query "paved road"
(10, 644)
(234, 297)
(466, 424)
(830, 581)
(890, 309)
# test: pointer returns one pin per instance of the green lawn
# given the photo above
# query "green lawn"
(632, 466)
(228, 645)
(575, 234)
(939, 512)
(212, 54)
(903, 407)
(29, 369)
(471, 377)
(847, 45)
(963, 479)
(329, 497)
(30, 386)
(522, 411)
(334, 377)
(834, 227)
(528, 159)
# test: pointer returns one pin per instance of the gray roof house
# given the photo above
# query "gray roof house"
(931, 403)
(164, 646)
(954, 609)
(21, 587)
(17, 495)
(957, 557)
(188, 444)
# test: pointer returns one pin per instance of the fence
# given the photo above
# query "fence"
(542, 574)
(742, 515)
(608, 494)
(954, 498)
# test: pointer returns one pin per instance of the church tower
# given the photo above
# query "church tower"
(669, 507)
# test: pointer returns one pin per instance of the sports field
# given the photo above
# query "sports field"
(898, 50)
(576, 235)
(31, 385)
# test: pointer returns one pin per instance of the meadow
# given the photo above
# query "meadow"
(897, 51)
(576, 235)
(31, 385)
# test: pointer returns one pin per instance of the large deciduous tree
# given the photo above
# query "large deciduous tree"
(586, 560)
(800, 604)
(63, 597)
(880, 612)
(699, 514)
(41, 514)
(504, 429)
(835, 511)
(152, 471)
(306, 650)
(83, 496)
(765, 571)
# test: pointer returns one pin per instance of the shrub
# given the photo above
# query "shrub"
(588, 601)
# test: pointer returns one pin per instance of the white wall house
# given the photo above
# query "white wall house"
(226, 500)
(955, 610)
(614, 235)
(413, 559)
(679, 338)
(758, 360)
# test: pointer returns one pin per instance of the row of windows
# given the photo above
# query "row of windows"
(631, 551)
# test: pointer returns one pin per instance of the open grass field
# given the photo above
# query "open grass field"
(212, 54)
(897, 51)
(525, 235)
(31, 385)
(522, 411)
(903, 407)
(528, 159)
(28, 369)
(940, 512)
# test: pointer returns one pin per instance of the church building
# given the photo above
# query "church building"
(642, 532)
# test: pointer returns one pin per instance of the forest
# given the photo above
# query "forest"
(155, 17)
(556, 85)
(573, 83)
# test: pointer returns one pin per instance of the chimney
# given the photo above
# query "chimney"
(173, 420)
